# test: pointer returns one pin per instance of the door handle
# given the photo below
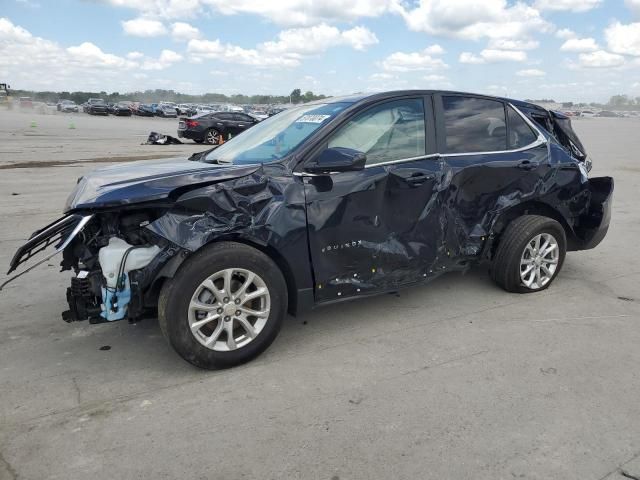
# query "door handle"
(528, 165)
(419, 178)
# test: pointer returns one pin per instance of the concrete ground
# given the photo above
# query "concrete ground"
(454, 380)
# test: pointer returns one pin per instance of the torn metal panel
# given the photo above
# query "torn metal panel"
(265, 208)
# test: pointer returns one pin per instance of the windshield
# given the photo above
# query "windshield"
(275, 137)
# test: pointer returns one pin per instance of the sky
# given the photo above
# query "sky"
(568, 50)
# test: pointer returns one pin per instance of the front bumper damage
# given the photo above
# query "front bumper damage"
(59, 234)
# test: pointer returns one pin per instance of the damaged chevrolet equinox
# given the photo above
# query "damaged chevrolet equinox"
(329, 201)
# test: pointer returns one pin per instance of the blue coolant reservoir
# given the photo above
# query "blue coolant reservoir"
(115, 298)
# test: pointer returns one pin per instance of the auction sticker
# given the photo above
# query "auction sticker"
(312, 118)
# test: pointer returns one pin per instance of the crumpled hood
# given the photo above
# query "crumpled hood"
(145, 181)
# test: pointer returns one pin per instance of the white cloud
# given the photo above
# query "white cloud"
(473, 20)
(290, 48)
(92, 55)
(579, 45)
(600, 59)
(634, 6)
(505, 44)
(413, 61)
(162, 8)
(491, 55)
(169, 56)
(359, 38)
(565, 33)
(434, 50)
(143, 27)
(165, 60)
(307, 41)
(305, 12)
(571, 5)
(494, 55)
(289, 12)
(382, 76)
(624, 39)
(183, 31)
(468, 57)
(434, 78)
(79, 67)
(531, 72)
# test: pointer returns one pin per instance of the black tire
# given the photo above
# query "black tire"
(505, 269)
(212, 137)
(176, 294)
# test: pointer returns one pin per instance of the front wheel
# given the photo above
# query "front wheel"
(530, 254)
(224, 306)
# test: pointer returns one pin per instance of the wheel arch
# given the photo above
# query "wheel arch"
(531, 207)
(281, 262)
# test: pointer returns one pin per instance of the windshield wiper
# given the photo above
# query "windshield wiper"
(199, 155)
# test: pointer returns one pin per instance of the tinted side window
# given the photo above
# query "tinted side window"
(389, 131)
(223, 116)
(520, 134)
(474, 124)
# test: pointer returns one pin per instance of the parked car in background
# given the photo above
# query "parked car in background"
(166, 111)
(121, 109)
(25, 102)
(67, 106)
(337, 199)
(186, 110)
(145, 110)
(212, 128)
(275, 110)
(608, 114)
(96, 106)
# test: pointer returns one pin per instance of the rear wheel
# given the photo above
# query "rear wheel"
(224, 306)
(530, 254)
(212, 137)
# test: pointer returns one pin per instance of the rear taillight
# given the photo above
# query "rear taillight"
(191, 123)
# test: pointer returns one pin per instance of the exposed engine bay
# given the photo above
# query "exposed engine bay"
(115, 260)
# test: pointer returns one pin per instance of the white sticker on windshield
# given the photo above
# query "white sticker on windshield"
(312, 118)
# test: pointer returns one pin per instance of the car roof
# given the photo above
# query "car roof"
(359, 97)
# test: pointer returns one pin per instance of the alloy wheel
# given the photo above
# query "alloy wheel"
(539, 261)
(229, 309)
(213, 137)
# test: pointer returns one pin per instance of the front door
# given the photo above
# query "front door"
(376, 229)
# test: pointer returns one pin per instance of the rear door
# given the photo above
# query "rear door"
(376, 229)
(493, 159)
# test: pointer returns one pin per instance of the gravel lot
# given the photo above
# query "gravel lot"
(454, 380)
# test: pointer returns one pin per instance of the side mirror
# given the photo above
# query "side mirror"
(338, 159)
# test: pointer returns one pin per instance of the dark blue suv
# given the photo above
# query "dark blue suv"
(326, 202)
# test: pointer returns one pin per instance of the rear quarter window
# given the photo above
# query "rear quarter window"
(474, 124)
(520, 133)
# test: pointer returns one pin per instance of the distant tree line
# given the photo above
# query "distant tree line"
(616, 102)
(154, 96)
